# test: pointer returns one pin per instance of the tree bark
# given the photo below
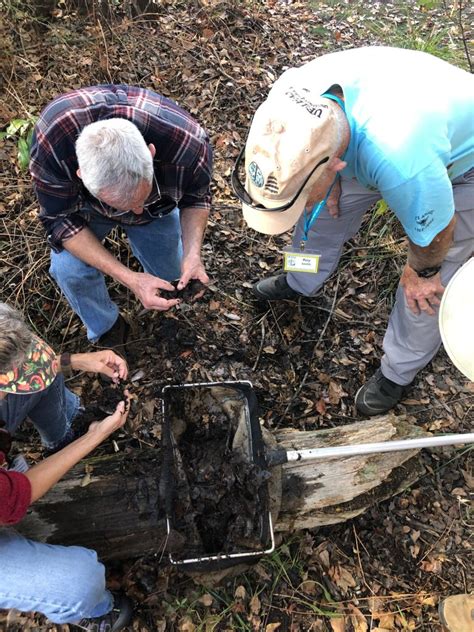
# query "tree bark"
(113, 503)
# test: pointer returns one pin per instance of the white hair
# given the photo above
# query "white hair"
(15, 338)
(114, 157)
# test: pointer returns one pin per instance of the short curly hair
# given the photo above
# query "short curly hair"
(15, 338)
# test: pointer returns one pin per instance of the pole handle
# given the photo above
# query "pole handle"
(378, 448)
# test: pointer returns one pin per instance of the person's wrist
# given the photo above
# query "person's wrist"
(65, 361)
(128, 278)
(79, 361)
(193, 254)
(428, 272)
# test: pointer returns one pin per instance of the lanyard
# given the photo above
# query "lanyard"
(317, 208)
(333, 97)
(311, 218)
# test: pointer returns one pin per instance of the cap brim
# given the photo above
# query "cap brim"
(456, 315)
(273, 222)
(37, 371)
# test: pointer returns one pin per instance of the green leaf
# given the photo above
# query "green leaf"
(380, 208)
(428, 4)
(29, 137)
(23, 153)
(17, 125)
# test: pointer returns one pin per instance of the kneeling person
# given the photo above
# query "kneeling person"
(66, 584)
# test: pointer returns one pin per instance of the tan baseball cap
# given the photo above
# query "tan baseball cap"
(292, 135)
(456, 318)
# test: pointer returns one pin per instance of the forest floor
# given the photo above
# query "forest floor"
(385, 570)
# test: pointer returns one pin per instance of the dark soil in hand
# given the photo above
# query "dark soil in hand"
(188, 294)
(111, 396)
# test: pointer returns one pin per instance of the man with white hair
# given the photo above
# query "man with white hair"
(117, 155)
(335, 136)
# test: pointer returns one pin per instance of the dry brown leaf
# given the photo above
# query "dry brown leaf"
(335, 392)
(458, 491)
(309, 587)
(269, 349)
(337, 624)
(240, 592)
(255, 604)
(321, 406)
(186, 625)
(342, 577)
(387, 621)
(431, 566)
(358, 620)
(206, 600)
(271, 627)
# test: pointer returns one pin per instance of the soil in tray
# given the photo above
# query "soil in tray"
(218, 494)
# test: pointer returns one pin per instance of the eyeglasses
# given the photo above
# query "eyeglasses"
(153, 198)
(244, 196)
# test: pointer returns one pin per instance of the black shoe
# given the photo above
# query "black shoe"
(116, 337)
(117, 619)
(274, 288)
(378, 395)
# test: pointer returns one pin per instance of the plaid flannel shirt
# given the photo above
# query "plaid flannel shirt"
(182, 165)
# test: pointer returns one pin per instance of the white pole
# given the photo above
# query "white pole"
(383, 446)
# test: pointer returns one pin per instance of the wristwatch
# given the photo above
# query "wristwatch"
(427, 273)
(65, 362)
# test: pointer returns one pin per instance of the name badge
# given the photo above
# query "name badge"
(301, 261)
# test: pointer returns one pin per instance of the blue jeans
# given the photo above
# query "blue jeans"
(65, 583)
(51, 411)
(156, 245)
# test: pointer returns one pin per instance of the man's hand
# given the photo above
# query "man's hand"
(193, 268)
(103, 429)
(147, 289)
(106, 362)
(422, 295)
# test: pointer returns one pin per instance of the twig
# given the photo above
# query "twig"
(356, 541)
(262, 342)
(461, 26)
(107, 65)
(443, 535)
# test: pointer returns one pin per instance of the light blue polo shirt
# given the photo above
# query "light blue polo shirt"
(411, 117)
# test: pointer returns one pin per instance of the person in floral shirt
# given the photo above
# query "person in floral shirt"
(66, 584)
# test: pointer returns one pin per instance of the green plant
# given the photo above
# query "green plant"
(22, 129)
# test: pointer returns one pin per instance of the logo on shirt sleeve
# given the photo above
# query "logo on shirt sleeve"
(423, 221)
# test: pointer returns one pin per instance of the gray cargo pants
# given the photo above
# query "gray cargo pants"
(410, 341)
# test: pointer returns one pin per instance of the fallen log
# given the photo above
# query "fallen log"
(113, 503)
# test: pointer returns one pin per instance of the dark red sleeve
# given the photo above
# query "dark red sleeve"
(15, 495)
